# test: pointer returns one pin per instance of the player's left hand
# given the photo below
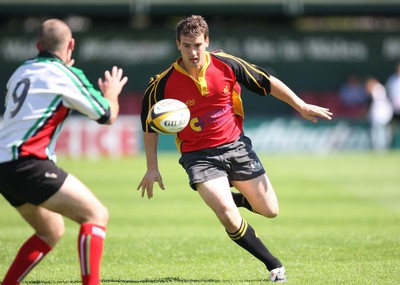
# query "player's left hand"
(311, 112)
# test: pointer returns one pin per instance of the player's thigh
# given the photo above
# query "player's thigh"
(260, 194)
(217, 195)
(47, 224)
(75, 201)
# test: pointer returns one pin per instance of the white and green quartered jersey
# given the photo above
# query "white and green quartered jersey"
(39, 97)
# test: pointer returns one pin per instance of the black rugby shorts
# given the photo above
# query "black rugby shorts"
(236, 160)
(30, 180)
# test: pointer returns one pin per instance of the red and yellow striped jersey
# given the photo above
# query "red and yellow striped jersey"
(213, 99)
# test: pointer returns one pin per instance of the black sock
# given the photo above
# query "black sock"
(247, 238)
(241, 201)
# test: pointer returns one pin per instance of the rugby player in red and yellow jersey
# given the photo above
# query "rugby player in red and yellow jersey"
(215, 152)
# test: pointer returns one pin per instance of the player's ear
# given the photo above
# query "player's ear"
(207, 41)
(178, 44)
(71, 44)
(39, 46)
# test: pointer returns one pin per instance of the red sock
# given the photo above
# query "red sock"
(30, 254)
(90, 247)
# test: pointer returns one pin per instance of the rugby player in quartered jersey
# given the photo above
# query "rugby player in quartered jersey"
(40, 95)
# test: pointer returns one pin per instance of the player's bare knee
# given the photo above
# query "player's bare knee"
(99, 216)
(273, 214)
(58, 233)
(52, 237)
(269, 212)
(104, 216)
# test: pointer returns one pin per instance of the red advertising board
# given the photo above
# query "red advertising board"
(83, 137)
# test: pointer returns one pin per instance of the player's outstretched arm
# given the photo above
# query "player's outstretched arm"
(111, 87)
(308, 111)
(152, 173)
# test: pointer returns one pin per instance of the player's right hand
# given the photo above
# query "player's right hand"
(147, 183)
(113, 82)
(71, 62)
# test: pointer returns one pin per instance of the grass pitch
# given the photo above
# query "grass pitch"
(339, 224)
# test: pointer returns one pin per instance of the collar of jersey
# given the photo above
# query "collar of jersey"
(201, 83)
(49, 55)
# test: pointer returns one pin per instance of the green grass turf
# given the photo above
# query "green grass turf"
(339, 224)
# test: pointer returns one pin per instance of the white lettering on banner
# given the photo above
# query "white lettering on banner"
(150, 50)
(268, 50)
(234, 45)
(18, 49)
(314, 48)
(335, 49)
(280, 135)
(291, 50)
(391, 48)
(83, 137)
(130, 51)
(260, 49)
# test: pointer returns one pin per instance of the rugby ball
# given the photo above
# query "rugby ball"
(168, 116)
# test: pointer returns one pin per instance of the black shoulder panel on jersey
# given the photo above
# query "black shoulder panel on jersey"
(154, 93)
(251, 76)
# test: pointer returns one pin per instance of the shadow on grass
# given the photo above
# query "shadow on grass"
(149, 281)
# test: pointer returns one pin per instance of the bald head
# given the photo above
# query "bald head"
(53, 35)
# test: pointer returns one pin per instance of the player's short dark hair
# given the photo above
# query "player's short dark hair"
(192, 26)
